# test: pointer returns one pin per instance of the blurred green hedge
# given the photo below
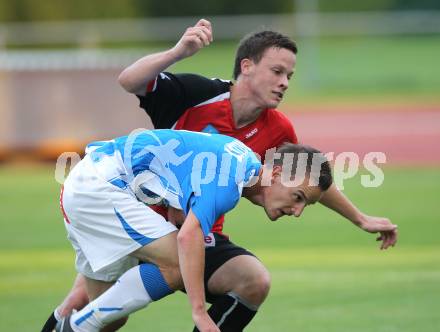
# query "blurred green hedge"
(33, 10)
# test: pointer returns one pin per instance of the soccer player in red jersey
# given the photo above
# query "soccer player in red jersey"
(236, 282)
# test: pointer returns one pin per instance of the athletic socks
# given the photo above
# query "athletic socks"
(49, 326)
(230, 313)
(134, 290)
(57, 315)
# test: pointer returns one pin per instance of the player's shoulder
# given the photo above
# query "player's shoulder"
(198, 89)
(275, 118)
(196, 78)
(280, 123)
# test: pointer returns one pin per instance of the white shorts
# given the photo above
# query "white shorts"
(105, 223)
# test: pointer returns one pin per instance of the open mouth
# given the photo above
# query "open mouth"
(278, 94)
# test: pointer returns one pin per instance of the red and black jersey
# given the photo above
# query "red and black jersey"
(193, 102)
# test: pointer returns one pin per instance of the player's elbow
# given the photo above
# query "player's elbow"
(126, 82)
(183, 238)
(189, 236)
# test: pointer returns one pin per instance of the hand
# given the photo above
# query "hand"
(387, 230)
(204, 323)
(194, 39)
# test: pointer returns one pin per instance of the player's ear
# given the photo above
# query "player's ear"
(246, 66)
(276, 172)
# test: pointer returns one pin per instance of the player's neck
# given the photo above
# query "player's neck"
(244, 109)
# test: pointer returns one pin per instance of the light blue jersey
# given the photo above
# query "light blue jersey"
(187, 170)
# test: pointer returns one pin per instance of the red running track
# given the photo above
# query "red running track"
(409, 137)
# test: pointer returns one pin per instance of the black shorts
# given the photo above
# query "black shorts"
(218, 255)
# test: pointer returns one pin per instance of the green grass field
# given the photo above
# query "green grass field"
(327, 275)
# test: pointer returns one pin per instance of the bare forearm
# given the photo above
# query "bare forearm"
(338, 202)
(191, 249)
(135, 77)
(191, 259)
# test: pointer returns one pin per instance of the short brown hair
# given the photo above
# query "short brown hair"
(255, 44)
(324, 180)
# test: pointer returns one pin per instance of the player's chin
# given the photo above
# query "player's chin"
(272, 215)
(273, 103)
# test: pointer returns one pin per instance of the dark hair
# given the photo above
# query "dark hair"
(255, 44)
(313, 155)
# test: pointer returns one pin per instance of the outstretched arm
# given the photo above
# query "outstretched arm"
(334, 199)
(135, 77)
(191, 249)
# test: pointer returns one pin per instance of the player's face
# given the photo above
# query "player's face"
(270, 77)
(281, 200)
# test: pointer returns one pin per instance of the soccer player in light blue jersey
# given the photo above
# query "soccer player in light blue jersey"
(106, 204)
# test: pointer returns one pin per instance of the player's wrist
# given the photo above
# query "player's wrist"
(360, 220)
(198, 311)
(176, 53)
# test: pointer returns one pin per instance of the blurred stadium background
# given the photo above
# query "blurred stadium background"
(368, 79)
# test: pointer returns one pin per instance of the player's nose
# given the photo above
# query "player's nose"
(298, 209)
(284, 83)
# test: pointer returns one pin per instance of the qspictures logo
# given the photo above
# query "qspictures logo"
(164, 158)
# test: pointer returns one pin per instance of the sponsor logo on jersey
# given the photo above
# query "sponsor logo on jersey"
(209, 240)
(251, 133)
(210, 129)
